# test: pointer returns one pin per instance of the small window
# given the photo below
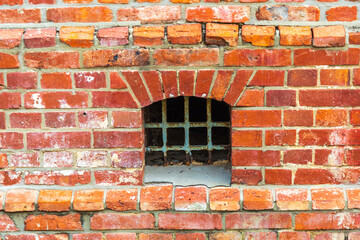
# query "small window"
(185, 133)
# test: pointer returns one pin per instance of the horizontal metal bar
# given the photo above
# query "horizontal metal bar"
(192, 147)
(182, 125)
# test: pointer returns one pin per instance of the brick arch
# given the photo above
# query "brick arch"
(229, 86)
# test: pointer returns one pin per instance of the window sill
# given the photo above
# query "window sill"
(210, 175)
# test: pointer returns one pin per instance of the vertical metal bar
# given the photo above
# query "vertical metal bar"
(209, 125)
(164, 128)
(187, 130)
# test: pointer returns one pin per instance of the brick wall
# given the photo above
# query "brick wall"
(75, 75)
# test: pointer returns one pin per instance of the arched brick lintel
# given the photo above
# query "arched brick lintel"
(153, 86)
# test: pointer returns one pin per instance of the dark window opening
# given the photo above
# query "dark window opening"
(187, 131)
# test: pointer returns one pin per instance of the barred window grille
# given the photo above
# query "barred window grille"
(187, 131)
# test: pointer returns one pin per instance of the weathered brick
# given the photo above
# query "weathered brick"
(52, 59)
(115, 36)
(184, 34)
(160, 236)
(187, 236)
(222, 14)
(297, 156)
(58, 140)
(11, 140)
(77, 36)
(109, 221)
(56, 80)
(246, 176)
(224, 199)
(148, 36)
(225, 235)
(116, 58)
(292, 199)
(261, 235)
(24, 159)
(258, 35)
(20, 200)
(122, 199)
(10, 38)
(83, 14)
(255, 158)
(62, 178)
(190, 198)
(20, 16)
(129, 119)
(53, 222)
(88, 200)
(354, 38)
(7, 224)
(257, 199)
(91, 159)
(257, 57)
(60, 119)
(331, 97)
(258, 220)
(128, 159)
(326, 221)
(117, 139)
(295, 36)
(3, 164)
(342, 13)
(54, 200)
(307, 57)
(329, 36)
(25, 120)
(118, 178)
(119, 236)
(327, 199)
(153, 14)
(304, 13)
(11, 2)
(87, 236)
(280, 137)
(222, 34)
(22, 80)
(331, 117)
(93, 119)
(9, 61)
(55, 100)
(156, 197)
(187, 57)
(8, 178)
(294, 235)
(39, 38)
(189, 221)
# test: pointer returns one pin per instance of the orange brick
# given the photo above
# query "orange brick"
(354, 38)
(2, 195)
(184, 1)
(77, 36)
(335, 77)
(222, 34)
(156, 197)
(258, 35)
(20, 200)
(121, 199)
(292, 199)
(224, 199)
(246, 138)
(295, 36)
(230, 235)
(327, 199)
(252, 98)
(353, 197)
(355, 117)
(331, 117)
(257, 199)
(184, 34)
(78, 1)
(343, 13)
(190, 198)
(148, 36)
(329, 36)
(88, 200)
(54, 200)
(10, 38)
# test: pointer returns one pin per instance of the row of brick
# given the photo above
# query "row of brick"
(198, 198)
(215, 34)
(156, 14)
(182, 57)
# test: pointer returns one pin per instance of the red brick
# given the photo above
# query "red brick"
(187, 57)
(279, 98)
(87, 236)
(121, 199)
(148, 36)
(113, 100)
(257, 199)
(353, 157)
(8, 178)
(328, 235)
(222, 14)
(190, 198)
(225, 236)
(93, 119)
(224, 199)
(342, 13)
(329, 97)
(10, 38)
(20, 200)
(20, 16)
(11, 2)
(156, 198)
(268, 78)
(135, 82)
(153, 14)
(116, 58)
(21, 237)
(42, 1)
(88, 200)
(327, 199)
(303, 13)
(190, 236)
(110, 221)
(246, 176)
(155, 236)
(335, 137)
(278, 176)
(115, 36)
(127, 159)
(203, 82)
(257, 57)
(335, 77)
(25, 120)
(92, 80)
(261, 235)
(128, 119)
(9, 60)
(62, 178)
(221, 84)
(7, 224)
(258, 220)
(295, 36)
(255, 158)
(356, 77)
(77, 1)
(2, 84)
(23, 159)
(39, 38)
(60, 119)
(56, 80)
(252, 98)
(306, 57)
(116, 81)
(256, 118)
(297, 156)
(153, 82)
(54, 200)
(120, 236)
(188, 221)
(52, 59)
(169, 83)
(246, 138)
(354, 236)
(258, 35)
(222, 34)
(117, 139)
(186, 82)
(3, 164)
(326, 221)
(314, 176)
(355, 117)
(11, 140)
(329, 36)
(302, 77)
(354, 38)
(298, 117)
(237, 86)
(353, 198)
(91, 159)
(292, 199)
(83, 14)
(24, 80)
(280, 137)
(331, 117)
(184, 34)
(272, 13)
(2, 120)
(118, 178)
(58, 140)
(294, 235)
(53, 222)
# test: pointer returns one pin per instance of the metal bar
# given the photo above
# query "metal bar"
(164, 128)
(209, 127)
(179, 125)
(187, 130)
(182, 148)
